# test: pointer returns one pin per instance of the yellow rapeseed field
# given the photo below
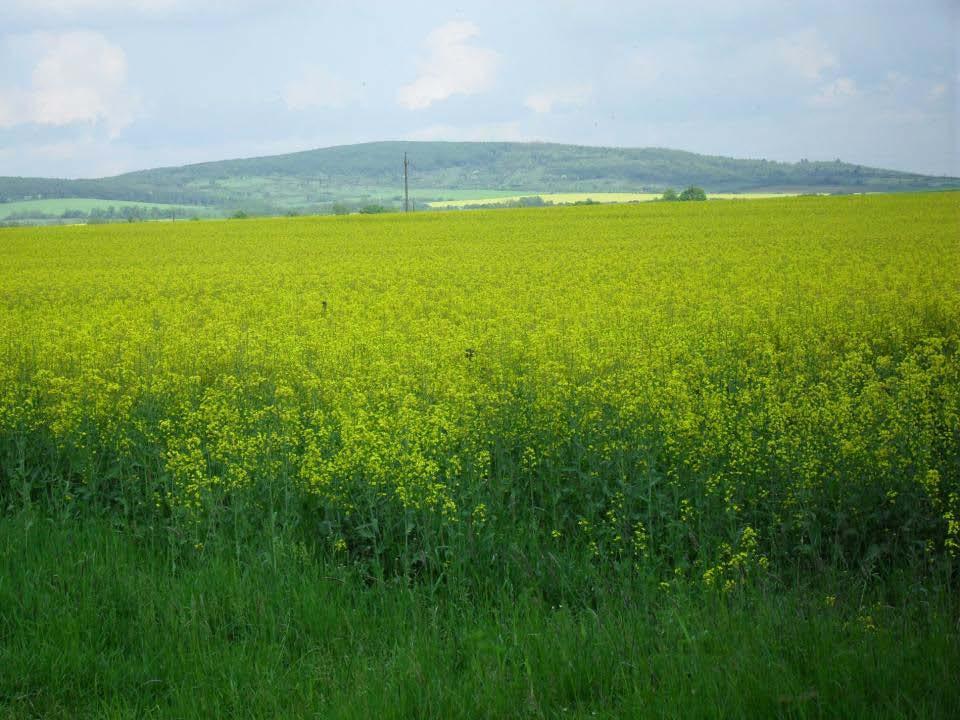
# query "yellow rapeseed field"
(709, 387)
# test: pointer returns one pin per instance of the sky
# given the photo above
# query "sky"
(90, 88)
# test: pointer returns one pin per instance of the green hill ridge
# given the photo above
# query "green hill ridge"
(439, 170)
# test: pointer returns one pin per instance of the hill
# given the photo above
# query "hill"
(315, 179)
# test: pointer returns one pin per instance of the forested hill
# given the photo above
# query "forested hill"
(541, 167)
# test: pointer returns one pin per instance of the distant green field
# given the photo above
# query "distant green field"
(298, 196)
(57, 206)
(603, 197)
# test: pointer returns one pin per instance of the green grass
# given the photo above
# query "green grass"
(96, 623)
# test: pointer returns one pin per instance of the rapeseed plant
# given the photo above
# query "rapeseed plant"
(614, 381)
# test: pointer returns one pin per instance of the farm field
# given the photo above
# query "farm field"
(308, 195)
(57, 206)
(600, 197)
(666, 459)
(466, 194)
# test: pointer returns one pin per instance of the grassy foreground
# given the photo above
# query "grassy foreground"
(95, 623)
(673, 459)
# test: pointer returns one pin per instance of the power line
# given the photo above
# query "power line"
(406, 186)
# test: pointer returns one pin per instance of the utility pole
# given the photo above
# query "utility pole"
(406, 187)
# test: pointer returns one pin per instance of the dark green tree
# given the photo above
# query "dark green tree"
(693, 193)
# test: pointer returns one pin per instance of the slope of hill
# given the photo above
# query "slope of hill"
(372, 171)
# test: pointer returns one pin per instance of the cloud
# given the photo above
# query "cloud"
(317, 87)
(806, 54)
(453, 67)
(546, 101)
(502, 132)
(835, 93)
(79, 77)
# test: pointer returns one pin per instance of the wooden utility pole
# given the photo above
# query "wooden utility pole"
(406, 186)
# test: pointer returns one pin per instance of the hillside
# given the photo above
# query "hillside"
(443, 170)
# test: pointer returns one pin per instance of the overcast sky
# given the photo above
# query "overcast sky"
(97, 87)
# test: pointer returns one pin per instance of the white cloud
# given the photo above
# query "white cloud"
(79, 77)
(835, 93)
(453, 67)
(547, 100)
(317, 87)
(502, 132)
(806, 54)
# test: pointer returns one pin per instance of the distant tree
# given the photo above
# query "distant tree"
(693, 193)
(239, 215)
(341, 209)
(372, 209)
(669, 195)
(531, 201)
